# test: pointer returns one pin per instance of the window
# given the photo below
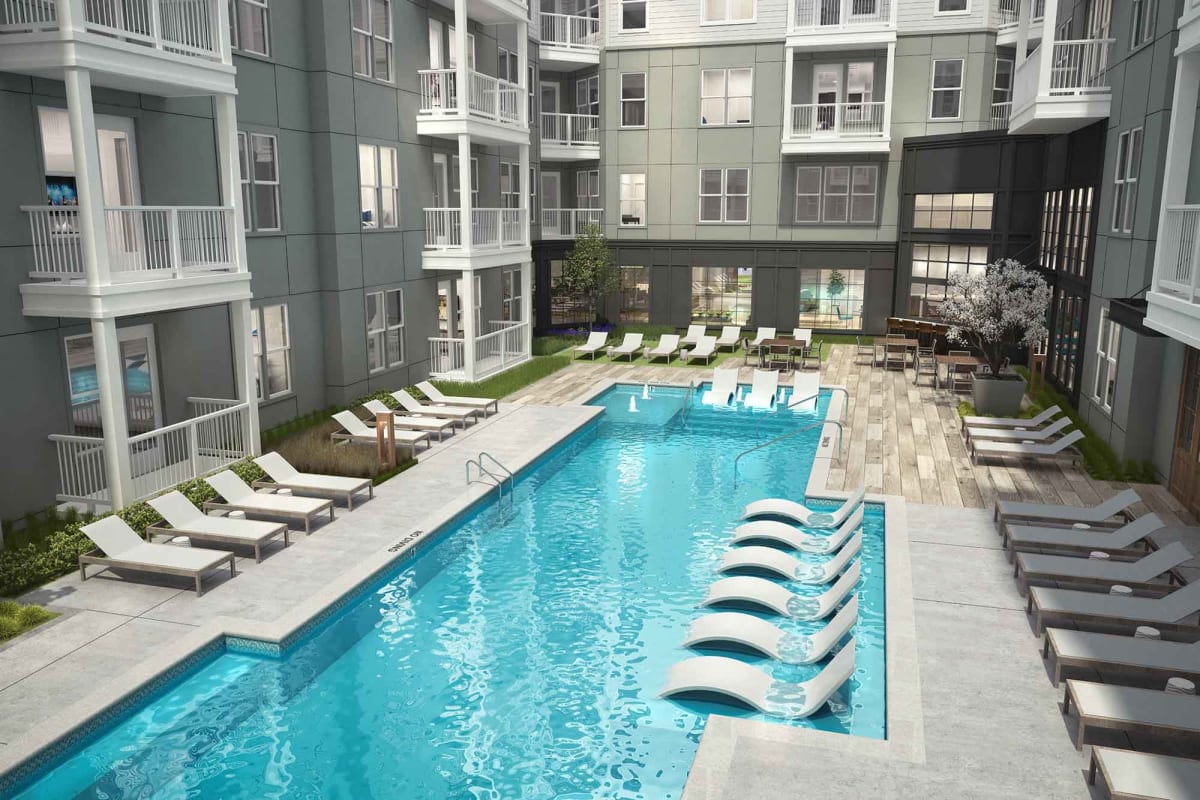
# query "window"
(953, 211)
(272, 347)
(258, 160)
(379, 186)
(510, 185)
(507, 66)
(721, 295)
(1003, 81)
(832, 298)
(1108, 349)
(723, 11)
(371, 23)
(1142, 24)
(1066, 333)
(510, 290)
(635, 295)
(945, 98)
(633, 99)
(587, 95)
(385, 329)
(1129, 166)
(633, 15)
(952, 6)
(248, 26)
(566, 308)
(587, 188)
(932, 267)
(837, 193)
(474, 181)
(452, 54)
(633, 199)
(532, 193)
(725, 195)
(725, 96)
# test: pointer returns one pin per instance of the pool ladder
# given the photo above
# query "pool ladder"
(788, 435)
(487, 475)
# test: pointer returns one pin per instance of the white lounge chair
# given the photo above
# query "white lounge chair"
(1172, 613)
(776, 531)
(692, 337)
(1145, 775)
(412, 405)
(484, 404)
(724, 388)
(763, 335)
(1050, 451)
(1017, 434)
(806, 391)
(750, 685)
(594, 344)
(730, 336)
(1145, 573)
(706, 348)
(802, 334)
(1125, 708)
(628, 347)
(187, 520)
(1011, 422)
(237, 496)
(284, 475)
(763, 389)
(1025, 538)
(357, 432)
(122, 548)
(774, 597)
(798, 512)
(788, 566)
(765, 637)
(1118, 505)
(403, 422)
(1146, 658)
(668, 345)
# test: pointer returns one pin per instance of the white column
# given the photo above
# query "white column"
(468, 324)
(244, 368)
(789, 55)
(523, 74)
(524, 159)
(229, 175)
(93, 230)
(462, 77)
(527, 304)
(111, 384)
(465, 222)
(1182, 128)
(890, 87)
(1023, 11)
(1049, 31)
(70, 17)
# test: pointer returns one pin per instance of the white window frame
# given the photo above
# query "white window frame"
(645, 4)
(510, 197)
(938, 12)
(798, 194)
(453, 178)
(855, 195)
(725, 97)
(372, 36)
(623, 199)
(728, 19)
(587, 178)
(261, 348)
(380, 335)
(1125, 179)
(933, 89)
(236, 40)
(506, 61)
(1141, 22)
(378, 153)
(996, 87)
(642, 99)
(850, 195)
(533, 182)
(725, 196)
(1108, 352)
(510, 306)
(250, 184)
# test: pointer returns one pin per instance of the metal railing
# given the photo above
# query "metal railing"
(1080, 66)
(1179, 252)
(1009, 11)
(824, 14)
(999, 117)
(82, 474)
(491, 228)
(505, 345)
(570, 129)
(837, 119)
(21, 16)
(737, 459)
(568, 30)
(486, 472)
(447, 356)
(567, 223)
(488, 97)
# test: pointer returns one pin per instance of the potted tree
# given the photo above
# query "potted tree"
(588, 271)
(991, 312)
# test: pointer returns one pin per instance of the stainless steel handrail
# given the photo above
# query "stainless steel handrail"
(498, 480)
(788, 435)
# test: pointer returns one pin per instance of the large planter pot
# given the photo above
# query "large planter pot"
(1001, 397)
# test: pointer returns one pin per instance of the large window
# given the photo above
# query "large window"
(371, 21)
(953, 211)
(633, 100)
(1141, 24)
(507, 65)
(1002, 81)
(1067, 333)
(272, 347)
(832, 298)
(1108, 349)
(945, 97)
(837, 193)
(1128, 168)
(510, 293)
(587, 95)
(1066, 225)
(633, 199)
(725, 96)
(249, 28)
(474, 181)
(258, 159)
(634, 15)
(725, 195)
(721, 295)
(510, 185)
(379, 186)
(587, 188)
(635, 295)
(932, 266)
(566, 308)
(719, 11)
(385, 329)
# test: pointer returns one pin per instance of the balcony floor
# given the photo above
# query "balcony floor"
(77, 299)
(820, 145)
(1059, 114)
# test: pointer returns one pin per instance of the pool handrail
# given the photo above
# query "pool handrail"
(484, 471)
(780, 438)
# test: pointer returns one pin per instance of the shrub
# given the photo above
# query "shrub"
(15, 618)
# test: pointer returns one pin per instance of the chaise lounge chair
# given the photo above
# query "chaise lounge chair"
(1006, 511)
(750, 685)
(1124, 708)
(746, 590)
(1173, 614)
(763, 335)
(124, 549)
(763, 389)
(187, 520)
(806, 391)
(1145, 775)
(1012, 422)
(730, 336)
(284, 475)
(706, 348)
(756, 633)
(403, 422)
(357, 432)
(628, 347)
(692, 337)
(1057, 450)
(1152, 659)
(798, 512)
(1016, 434)
(240, 497)
(1120, 541)
(594, 344)
(436, 397)
(668, 345)
(460, 414)
(776, 531)
(724, 388)
(1145, 573)
(788, 566)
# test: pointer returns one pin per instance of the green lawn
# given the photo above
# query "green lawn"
(16, 619)
(511, 381)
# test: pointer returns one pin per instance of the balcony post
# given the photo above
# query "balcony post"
(110, 381)
(889, 81)
(85, 151)
(1023, 11)
(70, 17)
(244, 369)
(462, 71)
(523, 73)
(466, 214)
(527, 298)
(229, 175)
(223, 40)
(468, 324)
(524, 203)
(155, 24)
(892, 12)
(789, 57)
(791, 15)
(1046, 65)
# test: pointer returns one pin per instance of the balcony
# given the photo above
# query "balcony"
(492, 12)
(837, 24)
(1009, 14)
(1173, 304)
(1064, 92)
(158, 258)
(496, 236)
(493, 111)
(568, 42)
(570, 137)
(998, 121)
(503, 347)
(836, 128)
(160, 47)
(567, 223)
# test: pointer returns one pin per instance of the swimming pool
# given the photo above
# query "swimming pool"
(520, 655)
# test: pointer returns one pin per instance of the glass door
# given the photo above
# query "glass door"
(827, 90)
(143, 411)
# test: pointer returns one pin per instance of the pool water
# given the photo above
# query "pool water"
(518, 657)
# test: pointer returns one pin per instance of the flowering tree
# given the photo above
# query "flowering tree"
(1003, 307)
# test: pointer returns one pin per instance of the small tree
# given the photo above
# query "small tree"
(991, 311)
(588, 271)
(837, 284)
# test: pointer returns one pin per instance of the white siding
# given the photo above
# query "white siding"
(917, 16)
(677, 22)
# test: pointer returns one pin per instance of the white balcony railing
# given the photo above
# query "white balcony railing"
(144, 242)
(999, 118)
(1010, 12)
(506, 345)
(491, 228)
(568, 30)
(1178, 255)
(1080, 67)
(567, 223)
(818, 15)
(571, 129)
(489, 97)
(186, 27)
(835, 120)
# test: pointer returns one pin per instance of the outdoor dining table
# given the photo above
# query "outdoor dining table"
(952, 362)
(882, 342)
(766, 344)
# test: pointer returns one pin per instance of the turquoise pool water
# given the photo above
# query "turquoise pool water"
(518, 657)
